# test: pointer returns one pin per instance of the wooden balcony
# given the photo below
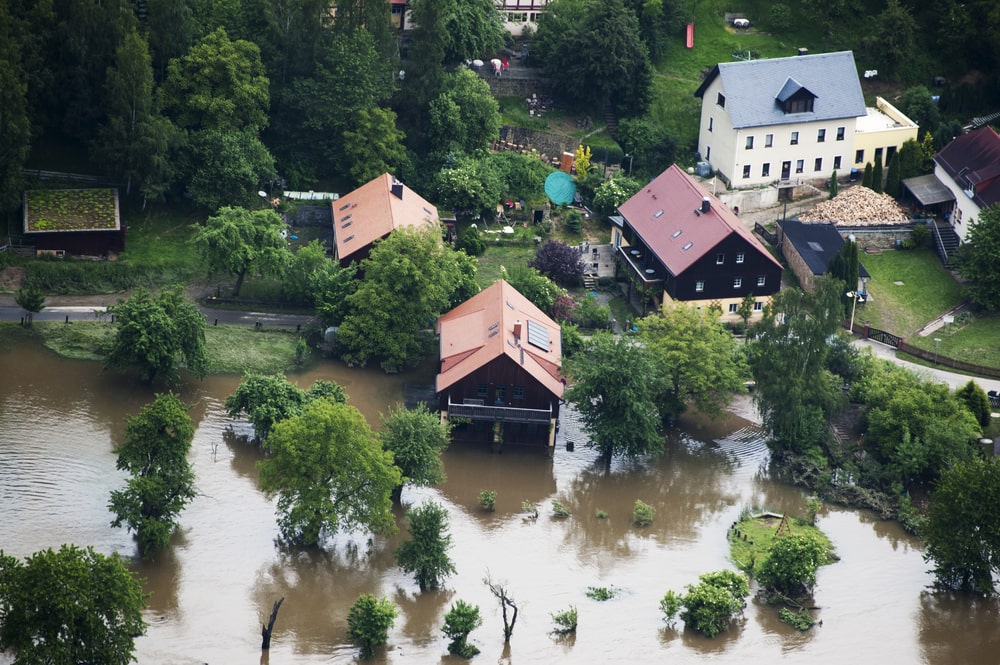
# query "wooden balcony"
(640, 261)
(476, 410)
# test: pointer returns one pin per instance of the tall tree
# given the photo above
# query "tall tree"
(910, 159)
(878, 183)
(329, 472)
(70, 606)
(15, 123)
(470, 28)
(374, 145)
(978, 259)
(603, 60)
(154, 453)
(892, 41)
(697, 356)
(834, 185)
(242, 241)
(962, 528)
(219, 84)
(135, 138)
(156, 333)
(416, 438)
(615, 385)
(787, 353)
(226, 168)
(410, 279)
(463, 117)
(170, 29)
(892, 178)
(426, 553)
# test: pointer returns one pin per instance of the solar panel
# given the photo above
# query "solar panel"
(538, 335)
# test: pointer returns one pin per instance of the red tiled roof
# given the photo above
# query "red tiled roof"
(482, 329)
(973, 162)
(373, 210)
(663, 214)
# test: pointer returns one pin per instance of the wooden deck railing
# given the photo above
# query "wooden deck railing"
(498, 413)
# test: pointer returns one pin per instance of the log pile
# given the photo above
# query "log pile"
(857, 206)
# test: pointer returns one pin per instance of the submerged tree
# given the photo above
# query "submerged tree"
(508, 605)
(70, 606)
(461, 620)
(266, 399)
(426, 553)
(369, 621)
(329, 472)
(155, 451)
(416, 438)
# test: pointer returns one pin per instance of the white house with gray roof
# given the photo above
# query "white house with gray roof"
(789, 119)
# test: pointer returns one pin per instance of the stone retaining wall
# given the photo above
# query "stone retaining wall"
(546, 143)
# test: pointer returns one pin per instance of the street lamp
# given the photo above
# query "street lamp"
(855, 297)
(937, 340)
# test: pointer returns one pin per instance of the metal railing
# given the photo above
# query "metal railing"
(498, 413)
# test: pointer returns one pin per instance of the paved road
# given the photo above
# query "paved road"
(212, 316)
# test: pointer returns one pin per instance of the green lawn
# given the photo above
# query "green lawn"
(975, 342)
(159, 237)
(496, 256)
(908, 290)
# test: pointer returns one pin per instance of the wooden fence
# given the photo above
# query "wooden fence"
(936, 359)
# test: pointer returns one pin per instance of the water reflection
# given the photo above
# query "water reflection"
(59, 423)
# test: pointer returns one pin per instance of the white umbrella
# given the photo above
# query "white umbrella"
(477, 63)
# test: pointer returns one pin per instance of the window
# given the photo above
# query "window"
(840, 133)
(739, 257)
(761, 280)
(758, 306)
(768, 140)
(720, 259)
(859, 156)
(746, 171)
(481, 390)
(501, 393)
(699, 286)
(721, 100)
(711, 121)
(800, 105)
(749, 143)
(836, 162)
(800, 165)
(821, 136)
(818, 166)
(518, 392)
(878, 154)
(795, 138)
(733, 307)
(737, 282)
(708, 153)
(765, 170)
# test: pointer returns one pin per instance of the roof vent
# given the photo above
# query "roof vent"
(706, 205)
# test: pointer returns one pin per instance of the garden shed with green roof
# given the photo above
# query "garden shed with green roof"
(82, 222)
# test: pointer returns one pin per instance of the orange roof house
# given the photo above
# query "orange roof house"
(373, 211)
(501, 358)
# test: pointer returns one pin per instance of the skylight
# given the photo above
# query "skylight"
(658, 214)
(676, 233)
(687, 247)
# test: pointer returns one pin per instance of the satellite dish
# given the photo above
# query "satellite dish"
(262, 194)
(402, 74)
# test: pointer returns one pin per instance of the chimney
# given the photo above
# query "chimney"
(706, 205)
(397, 189)
(517, 329)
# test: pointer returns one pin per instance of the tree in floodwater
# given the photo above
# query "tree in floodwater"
(329, 472)
(369, 621)
(267, 399)
(426, 553)
(70, 606)
(155, 451)
(416, 438)
(507, 604)
(963, 527)
(615, 387)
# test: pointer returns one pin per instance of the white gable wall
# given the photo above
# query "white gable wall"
(965, 211)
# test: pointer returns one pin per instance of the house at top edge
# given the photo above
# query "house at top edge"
(787, 121)
(373, 211)
(82, 222)
(676, 242)
(500, 369)
(969, 167)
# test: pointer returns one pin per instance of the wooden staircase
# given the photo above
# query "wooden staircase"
(590, 282)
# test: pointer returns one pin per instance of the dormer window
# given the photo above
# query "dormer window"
(794, 97)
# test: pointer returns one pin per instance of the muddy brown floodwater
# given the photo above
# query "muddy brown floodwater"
(209, 593)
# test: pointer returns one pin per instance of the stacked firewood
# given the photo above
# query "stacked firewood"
(857, 206)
